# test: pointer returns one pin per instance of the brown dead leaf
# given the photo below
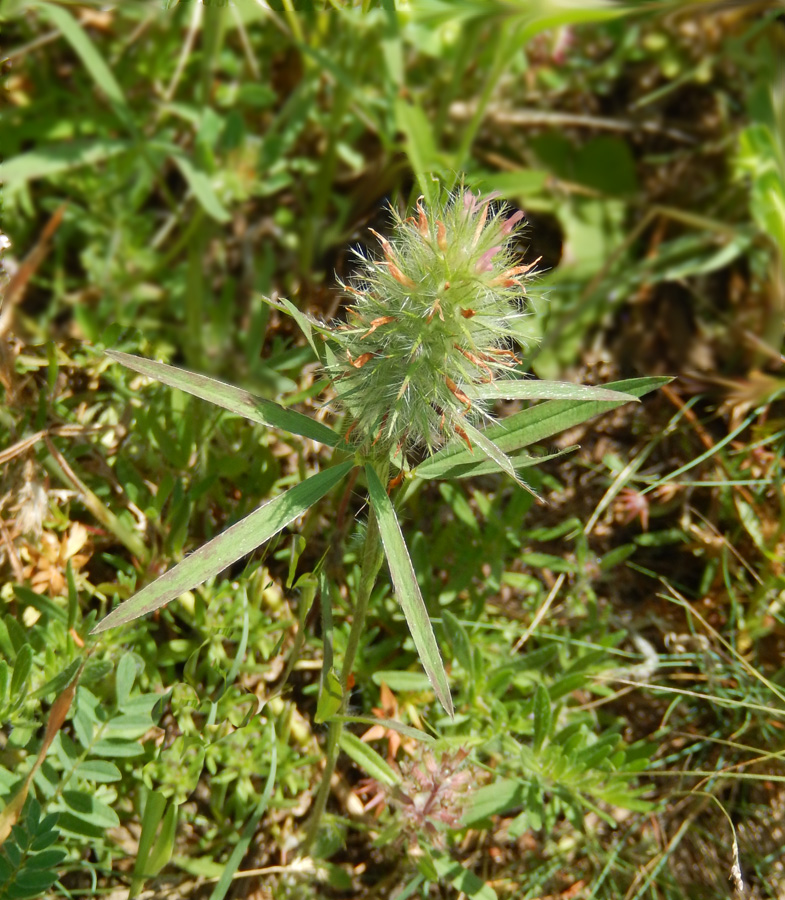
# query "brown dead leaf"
(57, 714)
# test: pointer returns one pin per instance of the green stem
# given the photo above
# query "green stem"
(371, 563)
(372, 557)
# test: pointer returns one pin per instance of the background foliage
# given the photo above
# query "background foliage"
(616, 657)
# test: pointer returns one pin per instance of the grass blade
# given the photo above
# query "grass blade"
(407, 590)
(421, 147)
(236, 400)
(101, 74)
(536, 424)
(238, 540)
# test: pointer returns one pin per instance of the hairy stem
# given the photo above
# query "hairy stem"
(372, 557)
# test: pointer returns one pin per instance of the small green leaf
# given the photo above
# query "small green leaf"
(17, 635)
(304, 323)
(127, 727)
(30, 883)
(83, 721)
(200, 185)
(535, 805)
(494, 799)
(542, 717)
(13, 852)
(519, 825)
(7, 645)
(46, 838)
(59, 681)
(73, 595)
(22, 666)
(4, 678)
(461, 878)
(43, 604)
(330, 697)
(234, 543)
(595, 753)
(459, 641)
(401, 680)
(392, 725)
(407, 590)
(98, 771)
(124, 679)
(236, 400)
(6, 870)
(164, 842)
(114, 749)
(566, 685)
(298, 545)
(368, 759)
(90, 809)
(47, 859)
(607, 164)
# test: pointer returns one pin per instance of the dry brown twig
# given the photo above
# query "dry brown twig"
(17, 286)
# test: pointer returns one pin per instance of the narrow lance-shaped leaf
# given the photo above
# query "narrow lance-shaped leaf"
(236, 400)
(542, 717)
(200, 184)
(525, 389)
(535, 424)
(304, 322)
(368, 759)
(330, 697)
(407, 591)
(45, 161)
(391, 725)
(154, 810)
(497, 455)
(519, 461)
(238, 540)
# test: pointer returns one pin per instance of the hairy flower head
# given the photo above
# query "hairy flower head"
(433, 316)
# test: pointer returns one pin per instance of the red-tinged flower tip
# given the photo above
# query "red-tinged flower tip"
(484, 263)
(422, 220)
(437, 314)
(441, 236)
(510, 223)
(472, 204)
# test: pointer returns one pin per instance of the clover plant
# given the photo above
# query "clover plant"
(428, 344)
